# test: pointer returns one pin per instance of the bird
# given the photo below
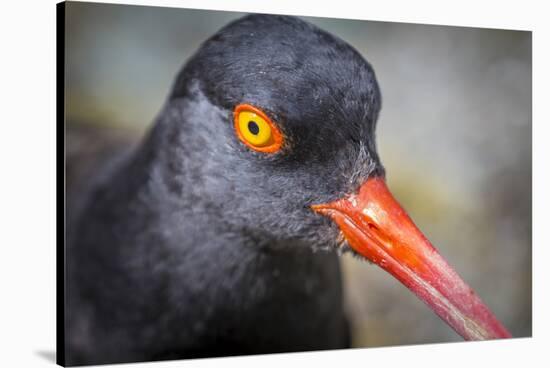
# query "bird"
(219, 233)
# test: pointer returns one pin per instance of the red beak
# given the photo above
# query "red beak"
(379, 229)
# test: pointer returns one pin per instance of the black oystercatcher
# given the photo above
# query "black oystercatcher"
(205, 240)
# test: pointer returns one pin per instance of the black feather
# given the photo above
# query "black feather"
(192, 245)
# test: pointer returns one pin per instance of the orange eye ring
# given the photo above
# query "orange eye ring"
(256, 130)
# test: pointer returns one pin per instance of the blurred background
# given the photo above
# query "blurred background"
(454, 135)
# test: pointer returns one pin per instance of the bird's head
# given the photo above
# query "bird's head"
(271, 126)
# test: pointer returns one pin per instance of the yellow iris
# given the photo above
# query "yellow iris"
(255, 129)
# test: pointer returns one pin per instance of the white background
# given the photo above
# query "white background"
(27, 192)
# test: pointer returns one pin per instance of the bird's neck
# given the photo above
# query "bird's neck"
(141, 208)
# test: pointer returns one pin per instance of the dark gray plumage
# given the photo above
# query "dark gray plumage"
(192, 245)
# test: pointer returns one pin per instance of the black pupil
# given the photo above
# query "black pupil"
(253, 127)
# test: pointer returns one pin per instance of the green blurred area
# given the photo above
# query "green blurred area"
(454, 135)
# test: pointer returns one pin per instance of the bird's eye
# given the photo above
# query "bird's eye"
(256, 130)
